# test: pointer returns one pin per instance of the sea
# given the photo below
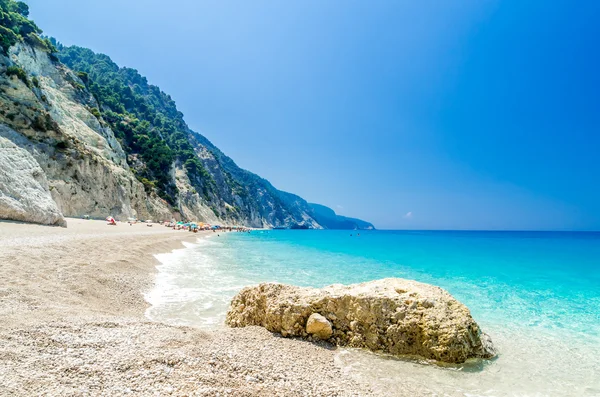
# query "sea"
(537, 294)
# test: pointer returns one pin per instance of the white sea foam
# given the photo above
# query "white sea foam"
(191, 287)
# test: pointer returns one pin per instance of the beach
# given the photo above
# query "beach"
(75, 317)
(72, 323)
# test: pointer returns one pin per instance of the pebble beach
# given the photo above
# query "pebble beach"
(72, 323)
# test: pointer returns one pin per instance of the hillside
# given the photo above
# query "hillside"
(330, 220)
(101, 141)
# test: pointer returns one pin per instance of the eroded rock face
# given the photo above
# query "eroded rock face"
(78, 157)
(89, 173)
(24, 193)
(396, 316)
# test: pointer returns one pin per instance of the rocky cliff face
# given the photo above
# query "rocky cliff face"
(25, 194)
(208, 185)
(100, 140)
(54, 118)
(50, 114)
(247, 196)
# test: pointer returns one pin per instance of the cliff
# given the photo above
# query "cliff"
(48, 116)
(25, 194)
(106, 142)
(330, 220)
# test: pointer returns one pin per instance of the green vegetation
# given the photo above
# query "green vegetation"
(148, 185)
(84, 77)
(95, 112)
(15, 26)
(43, 43)
(20, 73)
(144, 119)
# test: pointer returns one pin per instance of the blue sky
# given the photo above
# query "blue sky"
(410, 114)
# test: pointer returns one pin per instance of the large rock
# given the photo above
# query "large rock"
(24, 193)
(396, 316)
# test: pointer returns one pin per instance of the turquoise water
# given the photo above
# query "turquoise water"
(536, 293)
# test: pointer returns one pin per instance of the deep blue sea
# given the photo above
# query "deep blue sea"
(536, 293)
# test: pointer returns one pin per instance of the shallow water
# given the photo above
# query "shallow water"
(536, 293)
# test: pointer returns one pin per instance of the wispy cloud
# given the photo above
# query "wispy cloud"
(408, 215)
(339, 207)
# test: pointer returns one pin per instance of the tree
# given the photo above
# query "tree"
(14, 25)
(20, 8)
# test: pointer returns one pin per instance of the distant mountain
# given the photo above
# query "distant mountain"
(330, 220)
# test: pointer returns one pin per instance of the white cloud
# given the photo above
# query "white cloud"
(408, 215)
(339, 207)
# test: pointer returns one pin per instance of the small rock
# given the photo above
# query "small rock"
(319, 327)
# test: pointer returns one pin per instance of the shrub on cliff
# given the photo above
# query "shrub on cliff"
(20, 73)
(7, 38)
(43, 44)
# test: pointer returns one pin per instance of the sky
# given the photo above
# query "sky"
(471, 114)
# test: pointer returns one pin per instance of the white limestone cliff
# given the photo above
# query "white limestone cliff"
(24, 192)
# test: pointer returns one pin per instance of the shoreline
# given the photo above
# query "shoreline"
(155, 289)
(166, 297)
(73, 323)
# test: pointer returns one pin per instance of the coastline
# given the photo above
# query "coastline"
(73, 323)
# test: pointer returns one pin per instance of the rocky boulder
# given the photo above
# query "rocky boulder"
(395, 316)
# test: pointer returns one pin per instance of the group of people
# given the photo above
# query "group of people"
(188, 226)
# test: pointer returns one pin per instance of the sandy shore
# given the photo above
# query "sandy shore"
(72, 323)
